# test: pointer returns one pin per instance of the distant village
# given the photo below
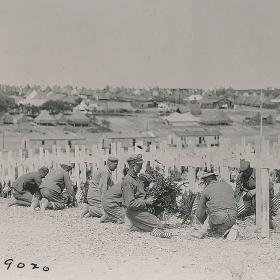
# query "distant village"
(191, 115)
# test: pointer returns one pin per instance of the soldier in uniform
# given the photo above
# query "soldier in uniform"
(112, 204)
(112, 200)
(218, 203)
(51, 190)
(25, 186)
(245, 193)
(136, 202)
(100, 183)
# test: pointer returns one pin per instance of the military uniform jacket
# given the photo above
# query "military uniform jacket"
(133, 193)
(113, 195)
(100, 183)
(215, 197)
(57, 180)
(30, 181)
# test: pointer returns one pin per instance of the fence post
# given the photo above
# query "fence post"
(265, 202)
(262, 188)
(20, 154)
(47, 158)
(83, 153)
(41, 156)
(192, 179)
(258, 185)
(122, 159)
(67, 154)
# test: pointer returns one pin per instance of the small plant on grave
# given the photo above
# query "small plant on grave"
(69, 201)
(85, 186)
(165, 191)
(185, 209)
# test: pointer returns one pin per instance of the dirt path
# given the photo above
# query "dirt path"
(85, 249)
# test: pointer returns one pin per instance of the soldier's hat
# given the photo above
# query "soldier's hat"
(244, 165)
(44, 170)
(67, 165)
(135, 159)
(113, 159)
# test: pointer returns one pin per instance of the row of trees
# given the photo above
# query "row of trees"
(52, 106)
(6, 103)
(56, 107)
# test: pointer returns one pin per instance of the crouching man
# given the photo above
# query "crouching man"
(112, 204)
(136, 202)
(245, 193)
(25, 186)
(51, 190)
(101, 182)
(218, 203)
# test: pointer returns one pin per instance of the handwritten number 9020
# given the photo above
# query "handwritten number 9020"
(9, 262)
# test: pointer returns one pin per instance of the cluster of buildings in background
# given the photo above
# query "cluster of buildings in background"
(112, 98)
(180, 109)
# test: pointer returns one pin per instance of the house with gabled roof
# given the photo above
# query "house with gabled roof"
(48, 139)
(177, 119)
(195, 137)
(129, 139)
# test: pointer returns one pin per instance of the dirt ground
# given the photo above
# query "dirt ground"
(85, 249)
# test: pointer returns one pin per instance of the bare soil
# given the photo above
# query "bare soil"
(75, 248)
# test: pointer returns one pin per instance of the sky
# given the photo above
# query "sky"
(140, 43)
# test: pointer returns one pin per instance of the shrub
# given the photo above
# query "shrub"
(165, 192)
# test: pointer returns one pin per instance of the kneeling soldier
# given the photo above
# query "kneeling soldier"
(51, 190)
(135, 201)
(98, 186)
(25, 186)
(245, 193)
(218, 203)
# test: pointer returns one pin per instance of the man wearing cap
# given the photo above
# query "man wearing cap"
(245, 192)
(51, 190)
(218, 203)
(100, 183)
(112, 204)
(136, 202)
(25, 186)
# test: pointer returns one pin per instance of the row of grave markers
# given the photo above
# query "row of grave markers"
(262, 155)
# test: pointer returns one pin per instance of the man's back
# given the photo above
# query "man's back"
(30, 181)
(100, 183)
(219, 195)
(55, 180)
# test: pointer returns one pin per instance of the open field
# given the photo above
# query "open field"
(85, 249)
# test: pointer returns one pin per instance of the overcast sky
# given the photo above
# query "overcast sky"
(167, 43)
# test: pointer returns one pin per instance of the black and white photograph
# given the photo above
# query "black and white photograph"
(139, 139)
